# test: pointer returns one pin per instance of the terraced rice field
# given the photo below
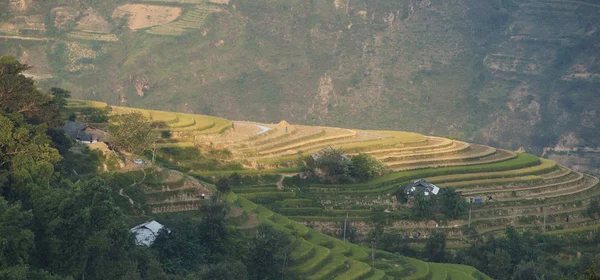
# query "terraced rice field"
(319, 256)
(191, 19)
(519, 181)
(91, 36)
(184, 127)
(526, 191)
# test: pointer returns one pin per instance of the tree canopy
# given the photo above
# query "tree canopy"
(132, 132)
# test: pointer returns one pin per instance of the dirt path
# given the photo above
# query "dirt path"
(23, 38)
(283, 176)
(126, 196)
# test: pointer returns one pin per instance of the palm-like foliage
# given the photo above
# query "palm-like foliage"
(453, 203)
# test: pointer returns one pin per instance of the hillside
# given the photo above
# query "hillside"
(510, 73)
(528, 192)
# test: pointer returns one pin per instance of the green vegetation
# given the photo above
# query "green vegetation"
(198, 63)
(132, 133)
(253, 208)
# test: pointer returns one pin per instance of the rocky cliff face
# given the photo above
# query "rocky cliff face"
(510, 73)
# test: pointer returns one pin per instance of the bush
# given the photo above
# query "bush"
(593, 209)
(365, 167)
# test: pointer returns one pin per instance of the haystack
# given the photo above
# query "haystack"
(283, 124)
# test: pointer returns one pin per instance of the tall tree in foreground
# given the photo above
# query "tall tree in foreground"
(132, 132)
(435, 247)
(269, 253)
(18, 94)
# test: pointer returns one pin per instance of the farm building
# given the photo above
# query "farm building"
(316, 156)
(84, 132)
(146, 233)
(421, 187)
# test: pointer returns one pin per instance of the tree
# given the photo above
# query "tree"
(401, 196)
(225, 271)
(435, 247)
(365, 167)
(453, 204)
(16, 238)
(26, 157)
(269, 253)
(80, 232)
(179, 246)
(422, 206)
(498, 261)
(18, 94)
(132, 132)
(351, 234)
(593, 209)
(333, 162)
(214, 232)
(531, 270)
(396, 243)
(223, 185)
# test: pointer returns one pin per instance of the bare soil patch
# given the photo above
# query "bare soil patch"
(91, 21)
(142, 15)
(63, 16)
(19, 5)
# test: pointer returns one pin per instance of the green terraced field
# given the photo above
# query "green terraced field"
(526, 188)
(319, 256)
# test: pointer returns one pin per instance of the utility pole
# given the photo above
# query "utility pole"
(544, 229)
(470, 216)
(373, 252)
(345, 224)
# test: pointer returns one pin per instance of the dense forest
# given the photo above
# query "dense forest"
(57, 225)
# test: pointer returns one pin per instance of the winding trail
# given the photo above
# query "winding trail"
(126, 196)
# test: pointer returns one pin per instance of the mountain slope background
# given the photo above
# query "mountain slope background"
(509, 73)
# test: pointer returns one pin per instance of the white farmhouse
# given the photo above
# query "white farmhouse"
(146, 233)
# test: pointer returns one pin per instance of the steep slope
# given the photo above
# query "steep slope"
(510, 73)
(527, 192)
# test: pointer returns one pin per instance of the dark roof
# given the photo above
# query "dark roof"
(96, 134)
(320, 153)
(84, 132)
(421, 186)
(73, 129)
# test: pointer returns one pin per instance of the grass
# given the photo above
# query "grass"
(438, 272)
(394, 139)
(471, 183)
(191, 123)
(421, 269)
(544, 167)
(247, 172)
(356, 271)
(176, 122)
(193, 18)
(82, 35)
(319, 256)
(573, 230)
(312, 264)
(336, 264)
(376, 274)
(303, 252)
(522, 160)
(80, 103)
